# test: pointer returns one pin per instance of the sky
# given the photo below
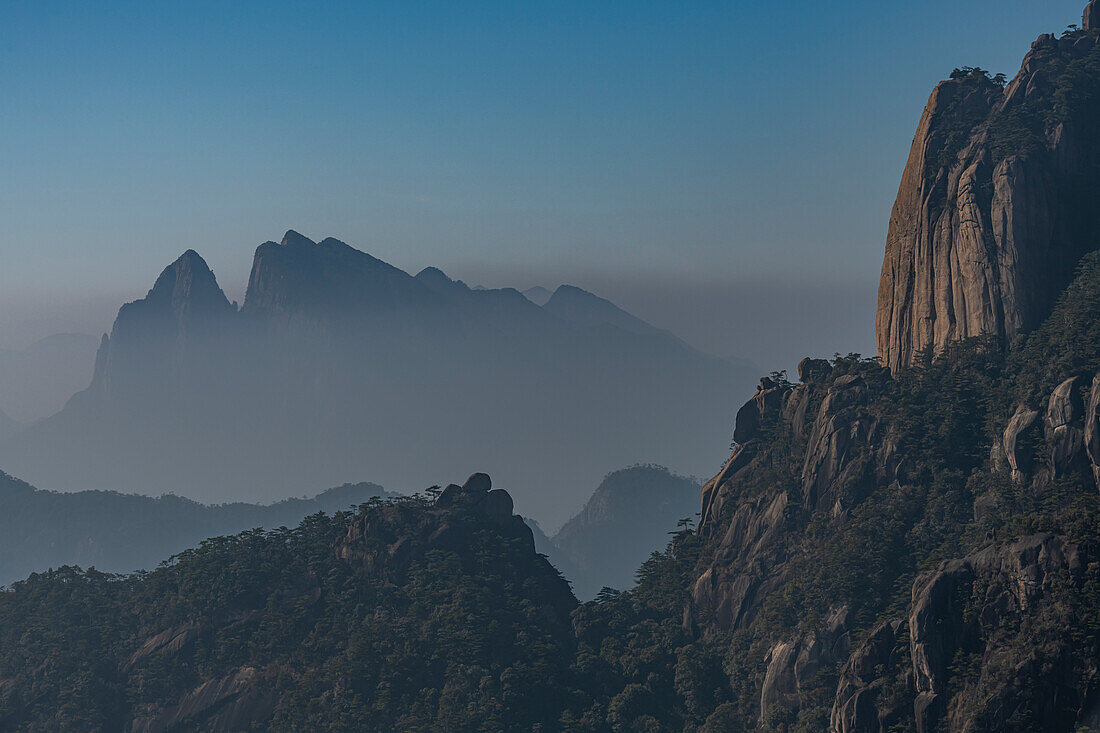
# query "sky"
(723, 169)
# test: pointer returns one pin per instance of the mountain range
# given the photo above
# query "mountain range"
(118, 533)
(339, 365)
(907, 543)
(628, 517)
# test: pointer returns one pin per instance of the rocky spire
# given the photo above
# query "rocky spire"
(991, 216)
(188, 287)
(1091, 21)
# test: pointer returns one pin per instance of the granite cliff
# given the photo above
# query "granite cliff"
(999, 200)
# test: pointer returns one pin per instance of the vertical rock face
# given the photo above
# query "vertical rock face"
(999, 199)
(838, 448)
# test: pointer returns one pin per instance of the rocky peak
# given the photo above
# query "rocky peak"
(300, 278)
(998, 202)
(1091, 20)
(184, 301)
(188, 287)
(294, 240)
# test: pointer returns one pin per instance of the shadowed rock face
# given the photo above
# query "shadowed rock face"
(971, 606)
(998, 201)
(836, 450)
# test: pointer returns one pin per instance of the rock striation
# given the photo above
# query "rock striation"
(836, 448)
(999, 200)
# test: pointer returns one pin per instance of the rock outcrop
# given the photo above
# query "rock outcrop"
(383, 543)
(996, 585)
(1066, 440)
(998, 201)
(231, 703)
(790, 664)
(837, 447)
(859, 691)
(970, 608)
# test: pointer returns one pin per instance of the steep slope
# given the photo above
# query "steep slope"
(999, 200)
(627, 518)
(115, 532)
(339, 365)
(405, 615)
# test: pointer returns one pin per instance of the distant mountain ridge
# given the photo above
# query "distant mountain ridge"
(116, 532)
(630, 515)
(339, 365)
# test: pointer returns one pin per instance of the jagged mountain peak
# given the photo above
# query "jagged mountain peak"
(1091, 19)
(186, 284)
(300, 275)
(294, 239)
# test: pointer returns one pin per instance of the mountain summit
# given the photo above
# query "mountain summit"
(999, 200)
(340, 365)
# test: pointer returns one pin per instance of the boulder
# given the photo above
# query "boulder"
(478, 482)
(1019, 459)
(766, 402)
(498, 505)
(814, 370)
(1064, 428)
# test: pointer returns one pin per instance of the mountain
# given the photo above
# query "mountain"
(585, 309)
(116, 532)
(999, 200)
(630, 515)
(340, 365)
(904, 544)
(36, 381)
(537, 295)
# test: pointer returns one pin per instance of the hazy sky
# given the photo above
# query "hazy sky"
(723, 169)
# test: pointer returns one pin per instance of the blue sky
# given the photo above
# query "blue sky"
(624, 146)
